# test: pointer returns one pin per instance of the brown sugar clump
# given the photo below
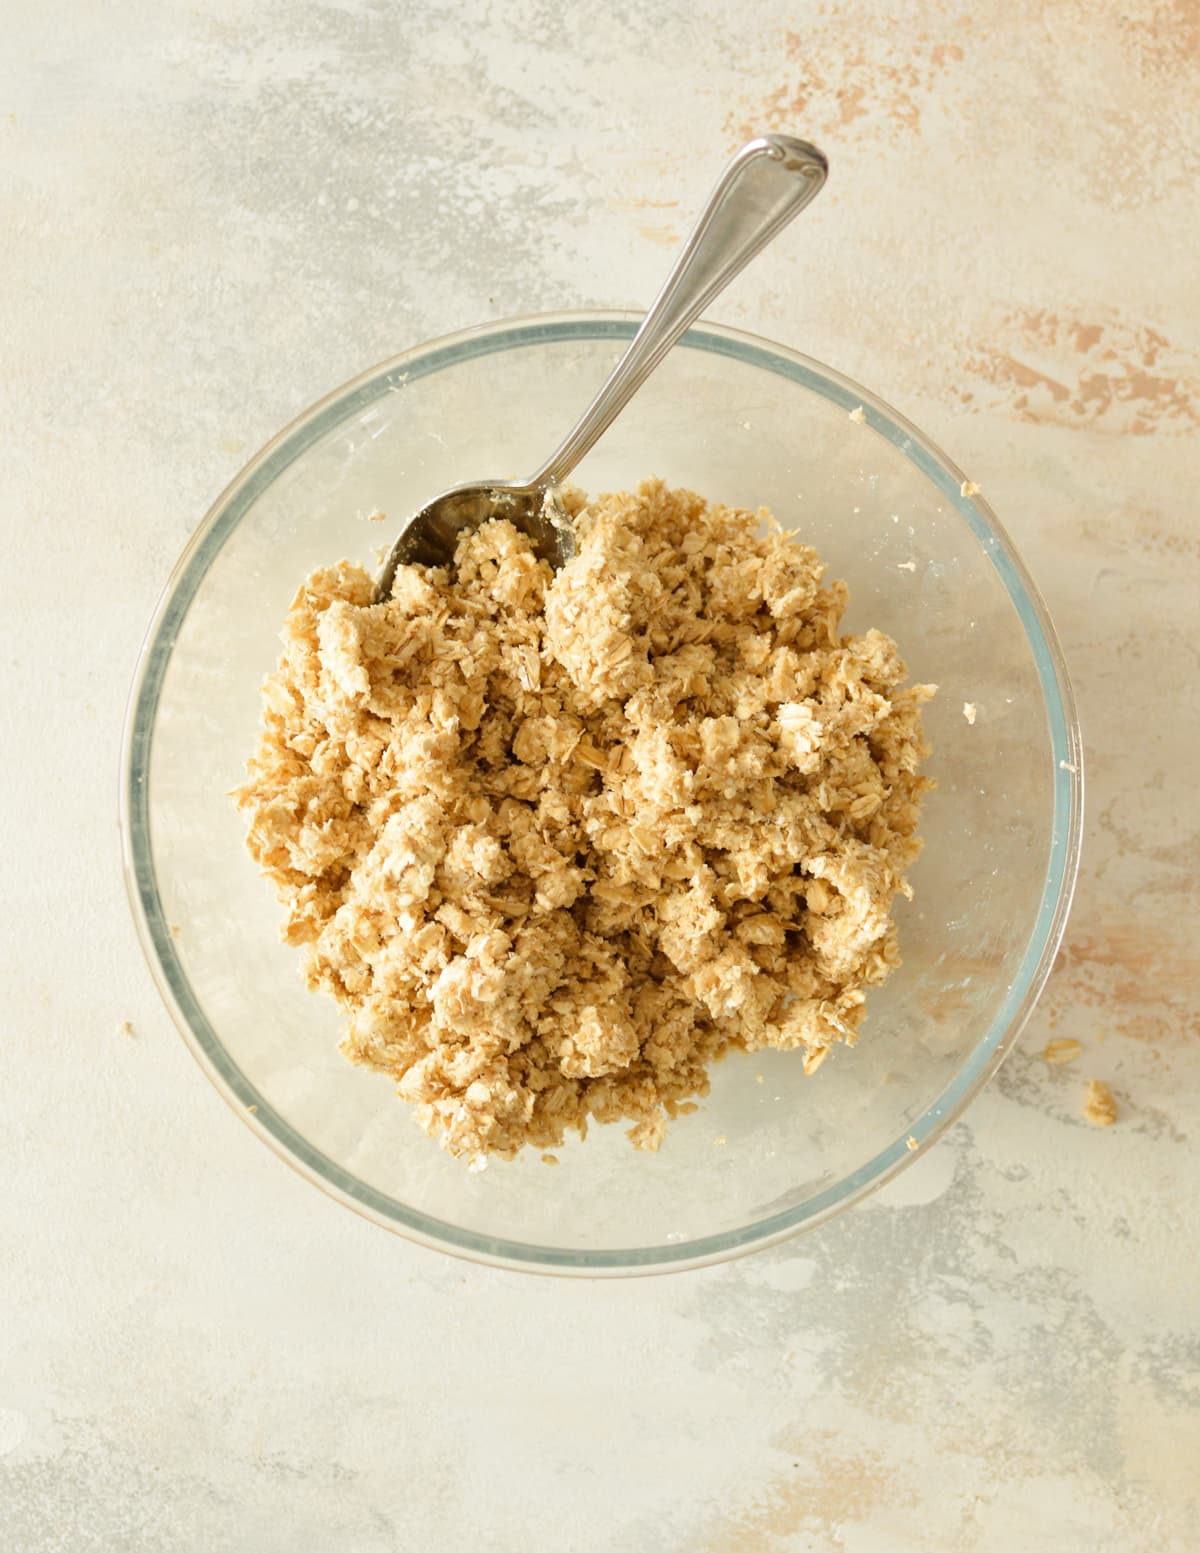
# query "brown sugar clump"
(555, 842)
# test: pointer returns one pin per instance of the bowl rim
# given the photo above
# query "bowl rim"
(155, 935)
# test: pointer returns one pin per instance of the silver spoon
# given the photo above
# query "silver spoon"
(770, 180)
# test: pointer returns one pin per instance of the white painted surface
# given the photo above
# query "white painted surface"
(211, 214)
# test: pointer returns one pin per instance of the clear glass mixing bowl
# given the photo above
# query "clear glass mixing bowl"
(741, 421)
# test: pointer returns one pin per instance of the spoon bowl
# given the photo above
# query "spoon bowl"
(432, 533)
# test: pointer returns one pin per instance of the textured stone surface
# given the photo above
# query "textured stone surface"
(211, 214)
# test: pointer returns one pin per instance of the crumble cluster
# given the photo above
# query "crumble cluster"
(555, 842)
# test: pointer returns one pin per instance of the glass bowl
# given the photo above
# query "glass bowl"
(741, 420)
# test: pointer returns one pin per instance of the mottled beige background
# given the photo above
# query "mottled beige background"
(210, 214)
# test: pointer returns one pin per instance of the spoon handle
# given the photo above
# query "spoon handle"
(770, 180)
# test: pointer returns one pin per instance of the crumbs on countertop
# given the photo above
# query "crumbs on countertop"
(1100, 1106)
(1058, 1053)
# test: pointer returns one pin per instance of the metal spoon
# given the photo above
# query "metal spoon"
(769, 181)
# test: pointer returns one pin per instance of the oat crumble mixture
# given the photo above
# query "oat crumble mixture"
(556, 842)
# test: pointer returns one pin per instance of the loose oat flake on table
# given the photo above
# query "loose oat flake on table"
(556, 842)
